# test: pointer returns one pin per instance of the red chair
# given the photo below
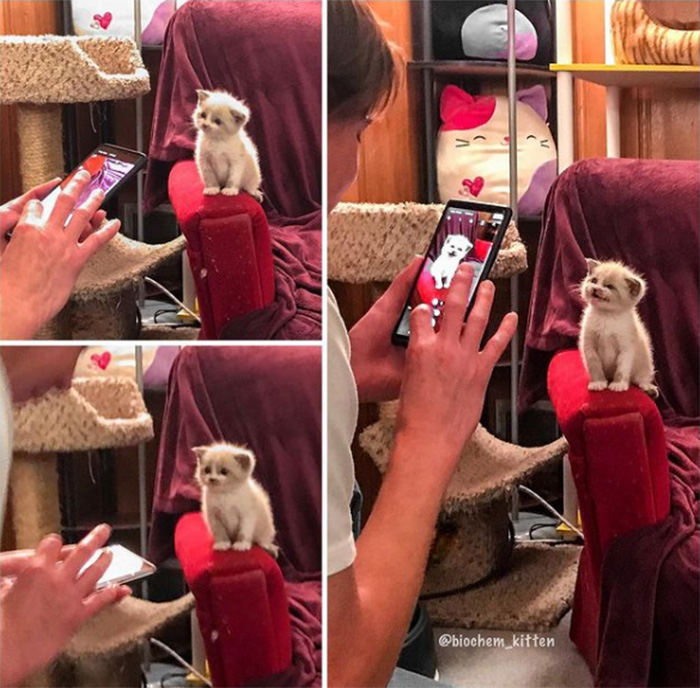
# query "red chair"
(229, 247)
(242, 606)
(619, 462)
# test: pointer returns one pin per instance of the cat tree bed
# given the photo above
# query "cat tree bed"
(108, 649)
(373, 242)
(104, 303)
(472, 539)
(40, 73)
(638, 38)
(95, 413)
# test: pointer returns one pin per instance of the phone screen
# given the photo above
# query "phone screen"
(124, 567)
(467, 233)
(108, 166)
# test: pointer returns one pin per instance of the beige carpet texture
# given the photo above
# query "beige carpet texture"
(95, 413)
(373, 242)
(533, 594)
(487, 468)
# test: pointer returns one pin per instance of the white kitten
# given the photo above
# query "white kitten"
(454, 250)
(226, 157)
(235, 506)
(614, 342)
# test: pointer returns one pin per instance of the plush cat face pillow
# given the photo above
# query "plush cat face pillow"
(472, 149)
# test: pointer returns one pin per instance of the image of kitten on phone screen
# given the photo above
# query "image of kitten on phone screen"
(226, 157)
(234, 505)
(453, 252)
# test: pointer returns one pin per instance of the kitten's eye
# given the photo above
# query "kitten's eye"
(594, 280)
(203, 115)
(223, 471)
(609, 286)
(483, 138)
(207, 470)
(217, 121)
(532, 136)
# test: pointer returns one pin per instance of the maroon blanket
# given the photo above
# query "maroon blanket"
(268, 398)
(267, 52)
(646, 214)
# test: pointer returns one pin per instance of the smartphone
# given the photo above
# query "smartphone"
(467, 233)
(125, 567)
(110, 167)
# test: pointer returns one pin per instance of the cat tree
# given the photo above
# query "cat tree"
(39, 74)
(372, 243)
(95, 413)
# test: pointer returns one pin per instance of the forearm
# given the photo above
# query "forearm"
(366, 630)
(17, 322)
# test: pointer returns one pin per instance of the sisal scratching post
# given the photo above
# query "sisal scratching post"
(34, 495)
(40, 133)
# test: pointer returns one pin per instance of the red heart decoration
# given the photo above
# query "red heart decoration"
(101, 361)
(474, 186)
(104, 20)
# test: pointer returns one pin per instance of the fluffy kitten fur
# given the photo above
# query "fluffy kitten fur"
(614, 342)
(236, 508)
(226, 157)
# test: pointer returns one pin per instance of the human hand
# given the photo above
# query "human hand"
(446, 375)
(42, 263)
(377, 364)
(50, 600)
(11, 211)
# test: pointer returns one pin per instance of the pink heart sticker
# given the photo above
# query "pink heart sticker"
(104, 20)
(101, 361)
(474, 186)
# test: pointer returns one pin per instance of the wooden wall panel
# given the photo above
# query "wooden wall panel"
(388, 153)
(20, 18)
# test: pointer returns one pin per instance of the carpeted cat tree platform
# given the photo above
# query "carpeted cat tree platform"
(39, 74)
(373, 243)
(95, 413)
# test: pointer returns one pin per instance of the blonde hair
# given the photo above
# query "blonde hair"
(364, 68)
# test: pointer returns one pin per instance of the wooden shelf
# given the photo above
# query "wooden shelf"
(480, 68)
(634, 76)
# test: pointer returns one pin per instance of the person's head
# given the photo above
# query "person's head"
(364, 71)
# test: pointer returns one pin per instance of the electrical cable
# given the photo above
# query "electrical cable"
(178, 658)
(173, 298)
(551, 509)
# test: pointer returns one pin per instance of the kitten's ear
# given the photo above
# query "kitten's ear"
(592, 264)
(245, 461)
(635, 286)
(199, 452)
(202, 95)
(240, 115)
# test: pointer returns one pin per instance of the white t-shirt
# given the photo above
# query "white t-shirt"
(5, 439)
(343, 407)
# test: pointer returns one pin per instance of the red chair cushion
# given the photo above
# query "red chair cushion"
(242, 606)
(617, 451)
(229, 247)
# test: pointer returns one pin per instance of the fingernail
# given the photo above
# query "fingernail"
(98, 193)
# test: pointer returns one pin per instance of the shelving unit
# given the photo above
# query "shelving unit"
(429, 71)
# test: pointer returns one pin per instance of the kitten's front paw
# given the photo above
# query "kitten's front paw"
(231, 191)
(242, 546)
(597, 385)
(273, 550)
(257, 195)
(620, 386)
(651, 390)
(212, 191)
(222, 546)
